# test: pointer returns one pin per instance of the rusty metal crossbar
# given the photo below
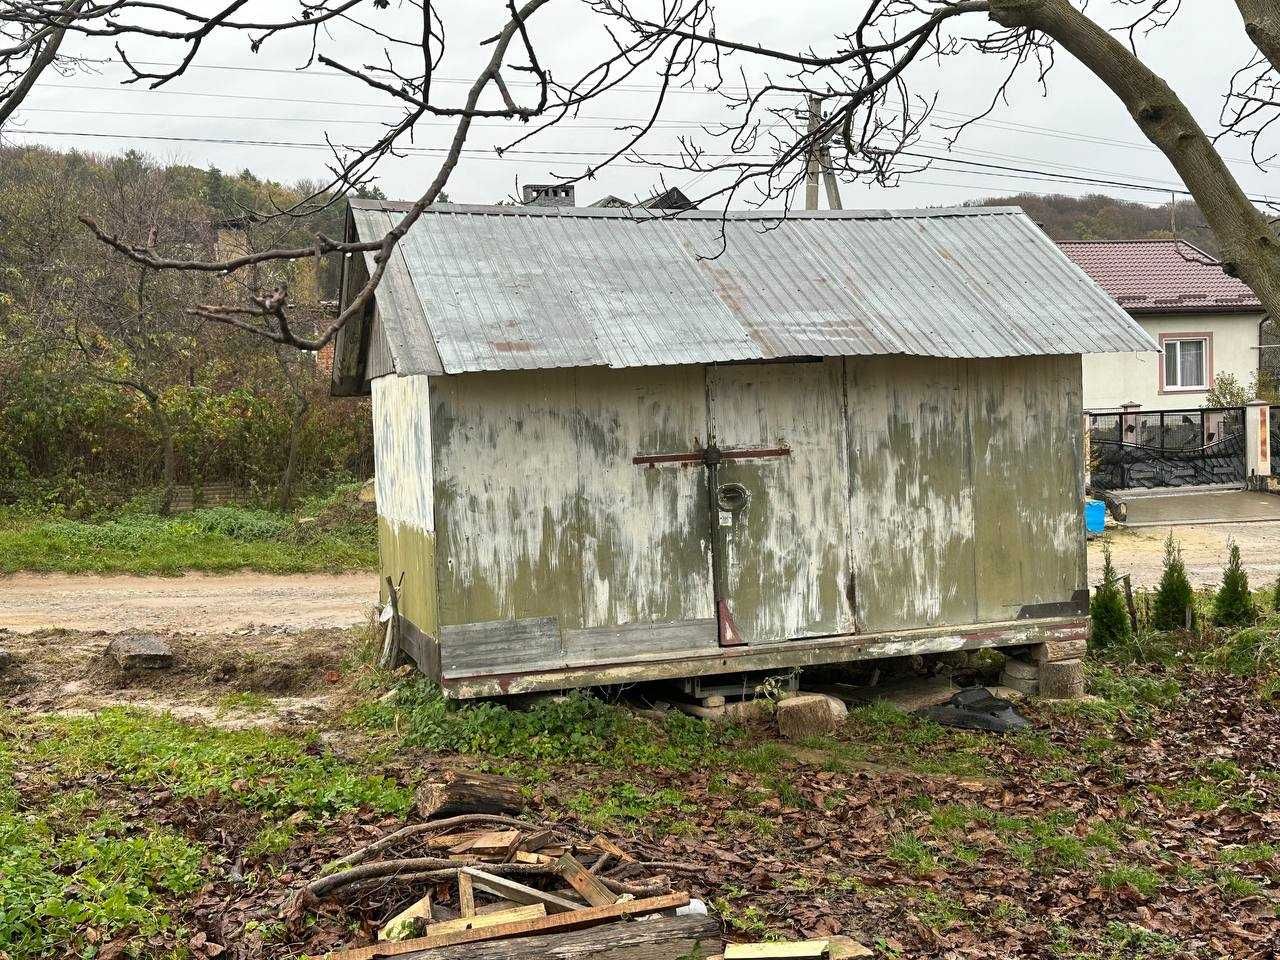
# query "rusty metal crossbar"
(705, 456)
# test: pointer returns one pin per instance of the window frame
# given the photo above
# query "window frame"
(1167, 338)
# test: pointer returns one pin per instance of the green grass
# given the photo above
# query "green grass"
(217, 539)
(263, 771)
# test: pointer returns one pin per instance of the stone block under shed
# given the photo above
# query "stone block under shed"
(140, 651)
(810, 715)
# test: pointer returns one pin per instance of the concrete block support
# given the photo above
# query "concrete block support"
(1257, 440)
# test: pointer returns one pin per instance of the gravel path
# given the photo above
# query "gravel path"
(1140, 552)
(193, 603)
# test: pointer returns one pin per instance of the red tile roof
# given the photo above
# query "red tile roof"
(1161, 276)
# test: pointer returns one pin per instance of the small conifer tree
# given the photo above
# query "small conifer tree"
(1233, 605)
(1174, 595)
(1275, 596)
(1111, 627)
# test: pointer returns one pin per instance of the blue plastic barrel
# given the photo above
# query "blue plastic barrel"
(1095, 516)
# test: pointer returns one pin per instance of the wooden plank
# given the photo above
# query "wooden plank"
(657, 938)
(466, 895)
(553, 922)
(517, 892)
(405, 923)
(585, 882)
(768, 951)
(595, 644)
(499, 643)
(605, 845)
(480, 921)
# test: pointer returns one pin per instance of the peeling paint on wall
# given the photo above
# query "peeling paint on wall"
(402, 450)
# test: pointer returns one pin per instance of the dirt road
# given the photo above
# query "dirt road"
(1140, 552)
(193, 603)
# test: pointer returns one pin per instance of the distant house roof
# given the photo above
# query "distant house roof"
(500, 288)
(1161, 276)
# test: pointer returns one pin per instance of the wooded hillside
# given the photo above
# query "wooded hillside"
(1099, 217)
(108, 387)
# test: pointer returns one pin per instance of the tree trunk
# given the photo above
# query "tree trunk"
(1250, 249)
(170, 454)
(291, 464)
(1262, 24)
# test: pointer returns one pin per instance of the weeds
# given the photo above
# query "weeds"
(577, 728)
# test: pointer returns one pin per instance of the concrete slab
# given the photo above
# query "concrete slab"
(1202, 507)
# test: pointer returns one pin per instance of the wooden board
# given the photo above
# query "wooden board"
(585, 882)
(768, 951)
(508, 915)
(559, 921)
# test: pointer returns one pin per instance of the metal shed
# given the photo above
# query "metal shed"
(616, 445)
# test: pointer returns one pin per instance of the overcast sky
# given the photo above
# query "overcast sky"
(1077, 128)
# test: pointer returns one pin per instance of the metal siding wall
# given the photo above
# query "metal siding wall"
(787, 552)
(911, 492)
(1029, 526)
(645, 550)
(965, 487)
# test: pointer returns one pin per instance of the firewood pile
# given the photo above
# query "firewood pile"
(492, 885)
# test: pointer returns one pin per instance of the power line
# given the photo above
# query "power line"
(585, 155)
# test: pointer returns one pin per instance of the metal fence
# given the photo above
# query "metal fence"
(1167, 448)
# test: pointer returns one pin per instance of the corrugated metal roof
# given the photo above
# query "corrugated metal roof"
(502, 288)
(1161, 276)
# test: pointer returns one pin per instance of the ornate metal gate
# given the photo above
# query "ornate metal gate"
(1167, 448)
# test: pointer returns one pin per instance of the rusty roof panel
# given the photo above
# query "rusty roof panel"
(502, 288)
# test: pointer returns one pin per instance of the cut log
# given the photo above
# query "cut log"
(660, 938)
(1063, 680)
(459, 792)
(418, 948)
(516, 892)
(585, 882)
(408, 922)
(1055, 650)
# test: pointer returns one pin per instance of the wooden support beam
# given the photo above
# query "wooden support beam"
(587, 916)
(466, 895)
(481, 921)
(517, 892)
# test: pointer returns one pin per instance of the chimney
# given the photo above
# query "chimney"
(549, 195)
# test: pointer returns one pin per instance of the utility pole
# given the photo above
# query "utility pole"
(819, 160)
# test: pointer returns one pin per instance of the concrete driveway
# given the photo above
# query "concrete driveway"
(1203, 506)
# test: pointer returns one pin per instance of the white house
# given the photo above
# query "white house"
(1207, 324)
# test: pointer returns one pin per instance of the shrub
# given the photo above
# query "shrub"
(1111, 627)
(1174, 595)
(1233, 605)
(1275, 596)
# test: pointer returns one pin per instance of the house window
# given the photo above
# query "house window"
(1186, 363)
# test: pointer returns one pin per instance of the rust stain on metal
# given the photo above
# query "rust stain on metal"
(512, 346)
